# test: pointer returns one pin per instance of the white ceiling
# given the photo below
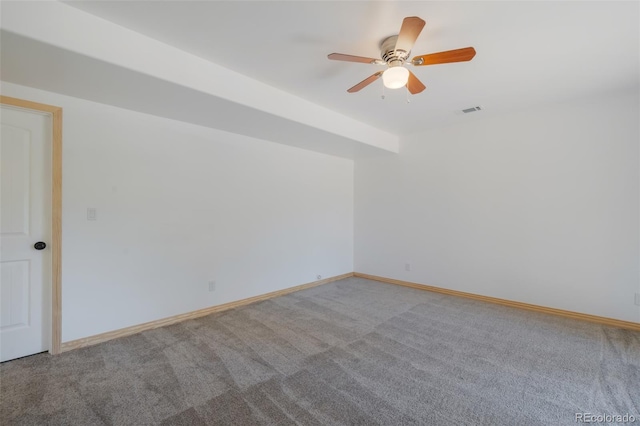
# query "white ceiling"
(528, 53)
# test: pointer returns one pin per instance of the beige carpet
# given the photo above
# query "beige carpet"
(353, 352)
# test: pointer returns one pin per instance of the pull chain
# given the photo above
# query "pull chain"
(382, 97)
(408, 100)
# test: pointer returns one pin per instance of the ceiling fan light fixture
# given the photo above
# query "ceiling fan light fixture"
(395, 77)
(395, 51)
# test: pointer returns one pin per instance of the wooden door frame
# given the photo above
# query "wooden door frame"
(56, 213)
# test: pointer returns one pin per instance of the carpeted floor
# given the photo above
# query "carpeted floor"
(353, 352)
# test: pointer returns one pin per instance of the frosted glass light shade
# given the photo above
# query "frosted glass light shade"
(395, 77)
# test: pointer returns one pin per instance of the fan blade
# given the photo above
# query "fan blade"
(351, 58)
(409, 32)
(457, 55)
(364, 83)
(414, 85)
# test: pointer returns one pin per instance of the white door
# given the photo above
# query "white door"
(25, 219)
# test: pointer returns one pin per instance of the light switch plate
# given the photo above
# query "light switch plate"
(91, 213)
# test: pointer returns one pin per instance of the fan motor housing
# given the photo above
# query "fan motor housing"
(390, 55)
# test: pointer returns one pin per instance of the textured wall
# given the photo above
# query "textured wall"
(179, 205)
(538, 206)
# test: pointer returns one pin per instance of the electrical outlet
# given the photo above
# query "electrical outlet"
(407, 267)
(91, 213)
(638, 299)
(212, 286)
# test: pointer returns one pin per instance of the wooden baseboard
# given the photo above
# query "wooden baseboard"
(553, 311)
(128, 331)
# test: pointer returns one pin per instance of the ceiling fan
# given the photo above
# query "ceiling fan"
(395, 51)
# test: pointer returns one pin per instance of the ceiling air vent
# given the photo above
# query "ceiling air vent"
(472, 109)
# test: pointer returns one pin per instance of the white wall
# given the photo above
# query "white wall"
(179, 205)
(540, 206)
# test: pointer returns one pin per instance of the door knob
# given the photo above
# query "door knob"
(39, 245)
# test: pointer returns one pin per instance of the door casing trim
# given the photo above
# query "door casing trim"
(56, 213)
